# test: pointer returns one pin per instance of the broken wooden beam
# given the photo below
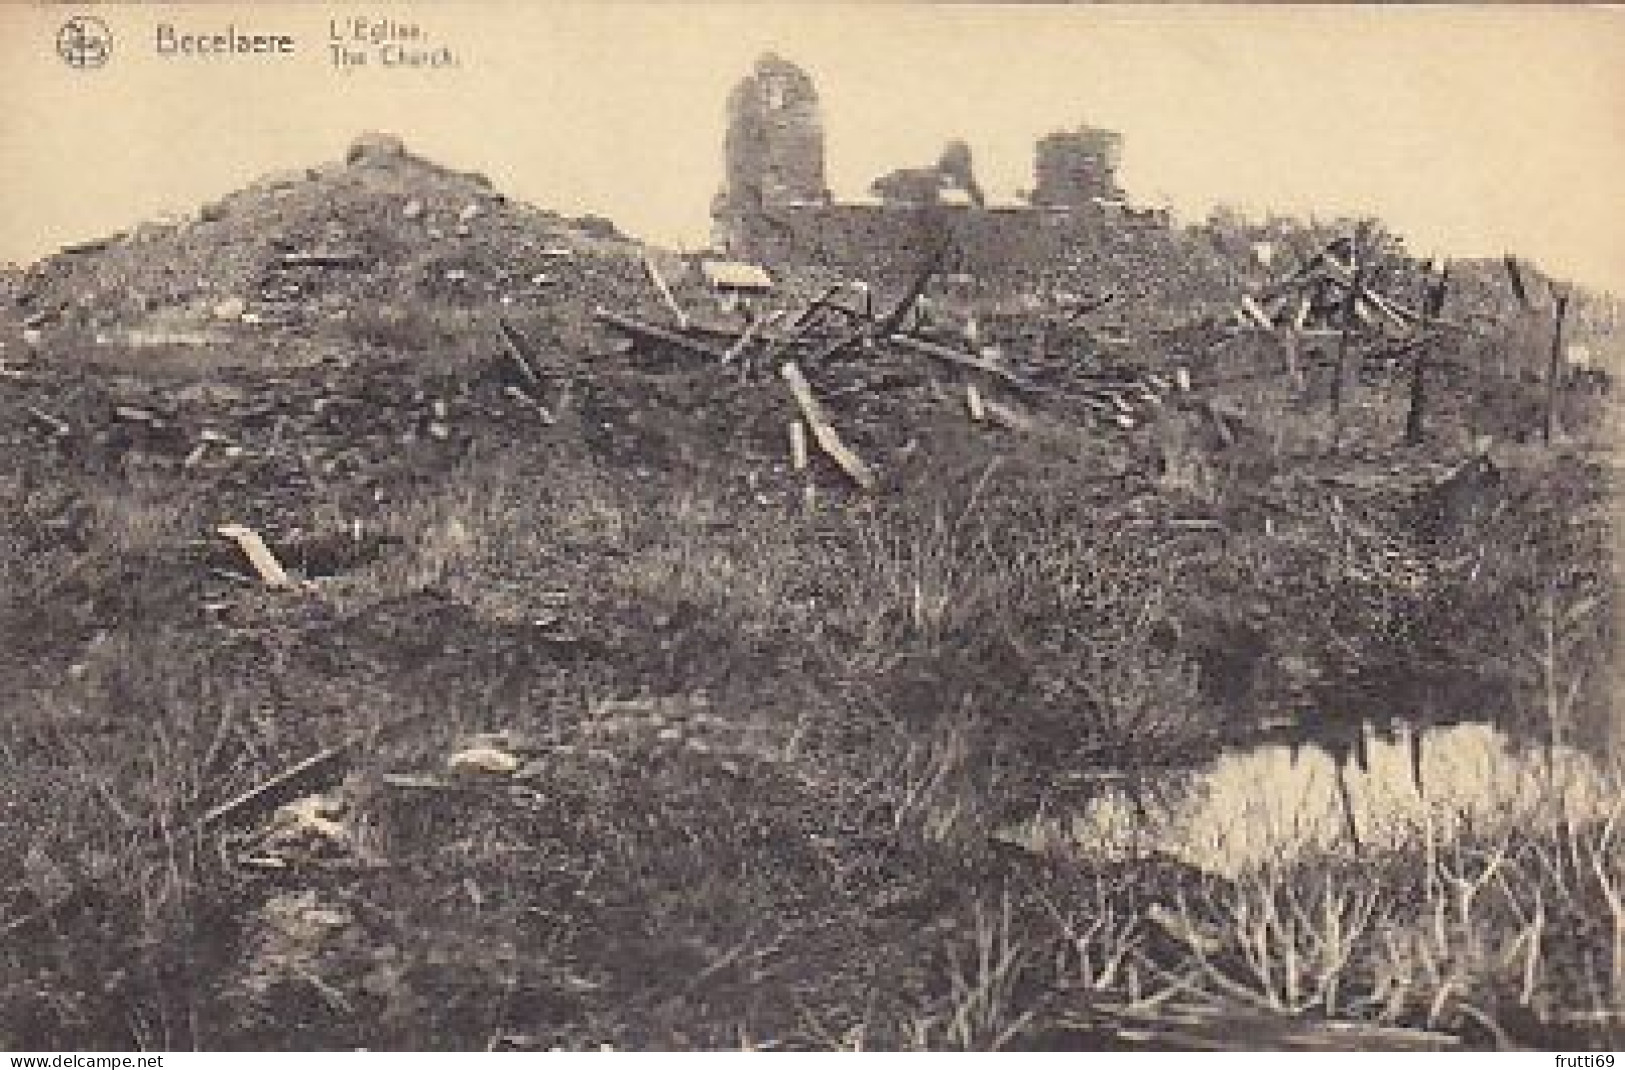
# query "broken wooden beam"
(823, 432)
(135, 414)
(274, 786)
(851, 338)
(666, 295)
(542, 412)
(1351, 302)
(259, 555)
(1397, 314)
(1291, 341)
(798, 446)
(963, 360)
(1415, 413)
(345, 260)
(514, 344)
(894, 321)
(1255, 313)
(748, 335)
(57, 426)
(1302, 315)
(649, 332)
(811, 310)
(1559, 311)
(1012, 418)
(1089, 305)
(973, 403)
(1515, 277)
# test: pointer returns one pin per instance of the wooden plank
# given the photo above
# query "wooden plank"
(1558, 313)
(259, 555)
(347, 261)
(1226, 436)
(542, 412)
(273, 785)
(649, 332)
(1087, 306)
(1415, 413)
(1291, 340)
(513, 343)
(798, 446)
(894, 321)
(973, 403)
(1010, 417)
(748, 335)
(851, 338)
(823, 432)
(1515, 277)
(56, 425)
(811, 310)
(963, 360)
(1351, 296)
(1396, 313)
(666, 295)
(1255, 313)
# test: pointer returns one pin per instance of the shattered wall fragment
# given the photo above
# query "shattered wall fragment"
(774, 147)
(1073, 169)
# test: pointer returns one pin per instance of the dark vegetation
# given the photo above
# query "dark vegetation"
(772, 749)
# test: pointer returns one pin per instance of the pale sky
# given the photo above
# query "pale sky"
(1471, 130)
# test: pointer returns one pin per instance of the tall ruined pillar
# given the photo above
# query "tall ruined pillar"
(773, 151)
(1073, 168)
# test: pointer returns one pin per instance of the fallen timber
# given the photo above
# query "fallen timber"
(824, 432)
(1103, 396)
(965, 360)
(648, 332)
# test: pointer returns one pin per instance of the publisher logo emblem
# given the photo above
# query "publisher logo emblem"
(84, 42)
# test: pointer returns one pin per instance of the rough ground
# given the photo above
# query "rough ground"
(628, 734)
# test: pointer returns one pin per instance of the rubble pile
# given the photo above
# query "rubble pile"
(329, 337)
(298, 248)
(267, 447)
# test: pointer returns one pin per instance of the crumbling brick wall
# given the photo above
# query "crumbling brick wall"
(883, 240)
(1010, 251)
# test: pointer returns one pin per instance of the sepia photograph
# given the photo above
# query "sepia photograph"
(810, 527)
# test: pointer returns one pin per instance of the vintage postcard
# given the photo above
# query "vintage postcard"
(781, 527)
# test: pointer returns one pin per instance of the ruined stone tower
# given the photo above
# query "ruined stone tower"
(1074, 168)
(775, 142)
